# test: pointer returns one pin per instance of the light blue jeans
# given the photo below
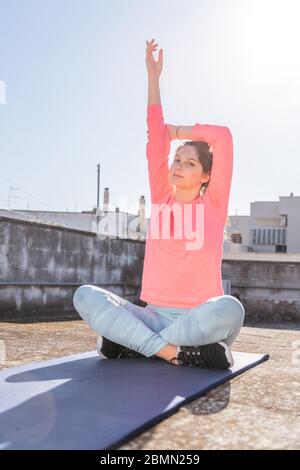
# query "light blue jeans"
(148, 329)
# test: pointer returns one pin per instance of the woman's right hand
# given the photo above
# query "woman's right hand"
(154, 67)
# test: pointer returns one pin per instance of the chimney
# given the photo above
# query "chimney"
(117, 210)
(291, 194)
(142, 214)
(106, 199)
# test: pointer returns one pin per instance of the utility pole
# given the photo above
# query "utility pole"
(98, 198)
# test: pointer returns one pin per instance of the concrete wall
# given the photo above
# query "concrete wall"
(41, 266)
(269, 290)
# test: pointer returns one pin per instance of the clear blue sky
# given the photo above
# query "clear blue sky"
(76, 95)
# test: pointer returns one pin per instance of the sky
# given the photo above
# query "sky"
(73, 94)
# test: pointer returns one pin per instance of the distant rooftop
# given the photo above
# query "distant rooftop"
(248, 256)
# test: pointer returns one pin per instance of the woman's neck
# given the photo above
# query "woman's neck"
(185, 195)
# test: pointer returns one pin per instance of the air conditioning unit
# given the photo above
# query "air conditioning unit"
(226, 286)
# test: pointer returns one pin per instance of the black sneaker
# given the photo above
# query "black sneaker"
(112, 350)
(215, 356)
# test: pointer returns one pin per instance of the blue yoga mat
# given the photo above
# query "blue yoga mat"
(83, 401)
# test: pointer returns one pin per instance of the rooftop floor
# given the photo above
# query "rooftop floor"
(259, 409)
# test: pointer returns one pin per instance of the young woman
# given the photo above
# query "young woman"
(187, 320)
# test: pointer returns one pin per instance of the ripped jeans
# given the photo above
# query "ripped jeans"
(148, 329)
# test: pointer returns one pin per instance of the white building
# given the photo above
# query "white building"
(271, 227)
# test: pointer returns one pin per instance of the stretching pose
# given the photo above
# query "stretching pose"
(187, 320)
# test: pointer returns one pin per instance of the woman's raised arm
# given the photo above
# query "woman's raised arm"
(154, 70)
(158, 145)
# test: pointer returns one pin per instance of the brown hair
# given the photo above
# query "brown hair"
(205, 154)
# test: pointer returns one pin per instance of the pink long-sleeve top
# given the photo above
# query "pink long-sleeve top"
(184, 243)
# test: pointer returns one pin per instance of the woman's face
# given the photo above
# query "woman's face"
(186, 170)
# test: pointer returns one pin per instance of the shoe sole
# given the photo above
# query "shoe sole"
(99, 346)
(228, 354)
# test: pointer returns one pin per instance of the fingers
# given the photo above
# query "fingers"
(151, 42)
(151, 46)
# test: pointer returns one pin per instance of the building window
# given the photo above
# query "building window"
(280, 248)
(273, 236)
(278, 237)
(269, 236)
(236, 237)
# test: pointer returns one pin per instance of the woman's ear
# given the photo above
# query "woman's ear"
(206, 178)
